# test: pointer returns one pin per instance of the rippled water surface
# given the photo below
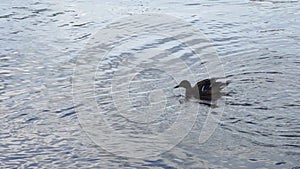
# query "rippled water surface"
(59, 86)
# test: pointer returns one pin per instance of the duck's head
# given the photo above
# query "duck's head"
(185, 84)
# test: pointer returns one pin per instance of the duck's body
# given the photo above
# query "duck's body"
(208, 89)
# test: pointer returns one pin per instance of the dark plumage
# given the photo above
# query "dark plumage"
(208, 89)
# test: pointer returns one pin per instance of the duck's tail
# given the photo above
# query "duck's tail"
(221, 85)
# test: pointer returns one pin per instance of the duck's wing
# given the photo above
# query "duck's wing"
(210, 89)
(204, 85)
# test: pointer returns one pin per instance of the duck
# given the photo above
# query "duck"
(207, 89)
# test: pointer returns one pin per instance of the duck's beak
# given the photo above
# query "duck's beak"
(176, 86)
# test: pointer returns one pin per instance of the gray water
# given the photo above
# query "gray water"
(257, 43)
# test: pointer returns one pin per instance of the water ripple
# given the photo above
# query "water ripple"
(257, 42)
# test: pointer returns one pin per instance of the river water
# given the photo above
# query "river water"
(67, 65)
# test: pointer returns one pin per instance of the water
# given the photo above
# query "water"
(41, 43)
